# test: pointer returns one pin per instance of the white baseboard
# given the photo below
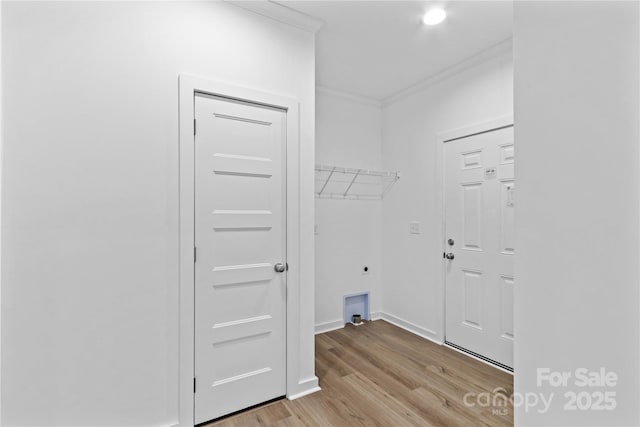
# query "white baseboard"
(321, 328)
(307, 387)
(412, 327)
(305, 393)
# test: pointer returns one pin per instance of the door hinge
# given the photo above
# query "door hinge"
(194, 254)
(194, 384)
(194, 126)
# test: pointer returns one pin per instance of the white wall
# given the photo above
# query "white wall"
(348, 134)
(90, 197)
(412, 264)
(576, 113)
(1, 151)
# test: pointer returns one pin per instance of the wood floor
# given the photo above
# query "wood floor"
(379, 375)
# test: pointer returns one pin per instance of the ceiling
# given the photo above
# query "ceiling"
(376, 49)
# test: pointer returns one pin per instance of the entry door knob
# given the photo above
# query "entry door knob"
(450, 255)
(279, 267)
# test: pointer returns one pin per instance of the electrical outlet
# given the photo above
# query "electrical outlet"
(414, 227)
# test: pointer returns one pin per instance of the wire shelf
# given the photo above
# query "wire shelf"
(335, 182)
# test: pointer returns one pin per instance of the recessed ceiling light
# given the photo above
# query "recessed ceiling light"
(434, 17)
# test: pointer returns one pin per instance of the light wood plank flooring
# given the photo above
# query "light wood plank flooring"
(377, 374)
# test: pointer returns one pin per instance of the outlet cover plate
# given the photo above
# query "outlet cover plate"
(414, 227)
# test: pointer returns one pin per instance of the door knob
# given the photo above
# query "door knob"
(279, 267)
(450, 255)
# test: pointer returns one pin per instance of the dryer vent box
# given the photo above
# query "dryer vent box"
(356, 304)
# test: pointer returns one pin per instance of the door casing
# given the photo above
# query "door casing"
(443, 138)
(188, 87)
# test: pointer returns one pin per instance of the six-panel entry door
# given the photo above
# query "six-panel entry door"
(240, 256)
(479, 243)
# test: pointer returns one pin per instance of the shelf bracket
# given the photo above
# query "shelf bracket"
(327, 181)
(352, 181)
(389, 185)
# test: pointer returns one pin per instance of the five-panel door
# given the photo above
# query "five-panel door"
(240, 249)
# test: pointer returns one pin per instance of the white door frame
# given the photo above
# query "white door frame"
(188, 86)
(443, 138)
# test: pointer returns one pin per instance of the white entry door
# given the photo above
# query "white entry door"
(240, 277)
(479, 243)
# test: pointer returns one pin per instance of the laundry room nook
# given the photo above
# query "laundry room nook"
(380, 138)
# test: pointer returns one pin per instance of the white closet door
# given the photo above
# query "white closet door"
(240, 241)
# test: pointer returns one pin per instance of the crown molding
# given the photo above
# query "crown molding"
(280, 13)
(371, 102)
(501, 49)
